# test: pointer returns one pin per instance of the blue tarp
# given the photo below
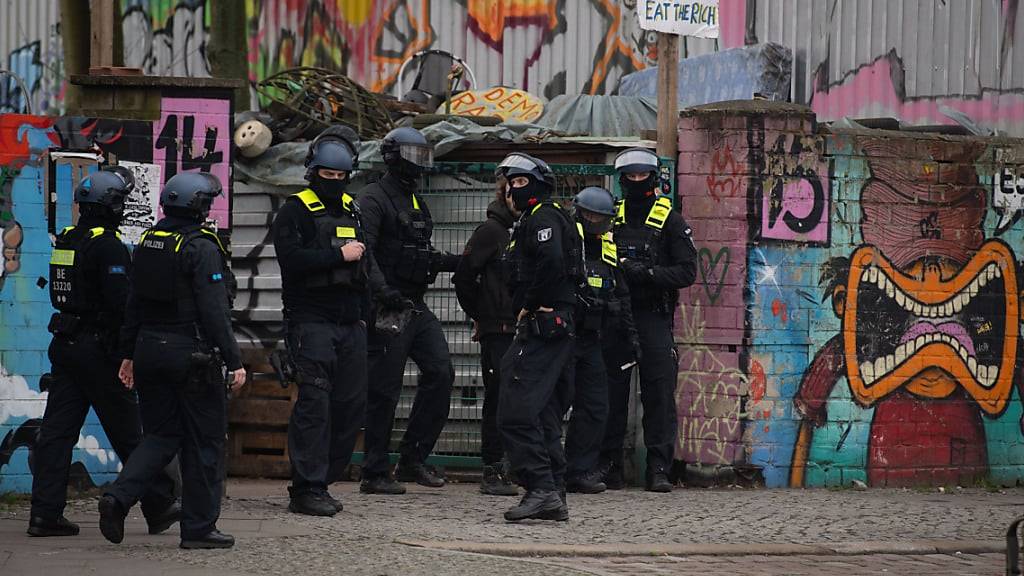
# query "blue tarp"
(735, 74)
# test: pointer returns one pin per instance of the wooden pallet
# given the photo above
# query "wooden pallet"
(258, 424)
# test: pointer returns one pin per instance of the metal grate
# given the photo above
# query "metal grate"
(458, 194)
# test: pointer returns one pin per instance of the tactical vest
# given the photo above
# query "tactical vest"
(643, 244)
(159, 277)
(599, 296)
(572, 252)
(332, 232)
(406, 253)
(70, 292)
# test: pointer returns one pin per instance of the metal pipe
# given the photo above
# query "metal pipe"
(24, 89)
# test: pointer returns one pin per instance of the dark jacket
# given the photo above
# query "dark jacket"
(105, 263)
(544, 272)
(481, 279)
(202, 265)
(297, 251)
(675, 260)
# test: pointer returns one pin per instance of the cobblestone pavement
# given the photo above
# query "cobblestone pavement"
(362, 539)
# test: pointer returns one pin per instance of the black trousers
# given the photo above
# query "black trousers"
(329, 411)
(84, 376)
(492, 348)
(589, 406)
(424, 342)
(535, 380)
(184, 417)
(659, 371)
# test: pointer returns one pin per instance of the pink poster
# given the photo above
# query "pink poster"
(194, 134)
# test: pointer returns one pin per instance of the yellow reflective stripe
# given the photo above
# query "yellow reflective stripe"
(415, 203)
(97, 231)
(658, 215)
(346, 201)
(579, 228)
(161, 233)
(595, 281)
(620, 215)
(62, 257)
(345, 232)
(67, 229)
(211, 234)
(537, 207)
(609, 253)
(310, 200)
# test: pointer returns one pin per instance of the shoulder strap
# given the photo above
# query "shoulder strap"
(609, 252)
(310, 200)
(658, 214)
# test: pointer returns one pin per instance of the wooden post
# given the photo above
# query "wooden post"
(668, 104)
(226, 50)
(101, 53)
(74, 16)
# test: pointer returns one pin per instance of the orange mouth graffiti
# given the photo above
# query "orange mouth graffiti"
(932, 327)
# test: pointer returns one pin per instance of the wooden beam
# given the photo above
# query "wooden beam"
(668, 103)
(102, 36)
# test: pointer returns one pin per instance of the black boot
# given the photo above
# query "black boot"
(611, 475)
(539, 505)
(419, 473)
(657, 481)
(333, 501)
(381, 485)
(169, 517)
(496, 483)
(38, 526)
(112, 519)
(589, 483)
(214, 539)
(311, 504)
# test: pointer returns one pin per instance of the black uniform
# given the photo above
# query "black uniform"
(88, 287)
(481, 285)
(604, 312)
(177, 323)
(398, 229)
(325, 309)
(650, 233)
(546, 266)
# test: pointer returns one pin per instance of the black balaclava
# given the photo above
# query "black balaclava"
(407, 174)
(330, 190)
(641, 190)
(100, 214)
(526, 197)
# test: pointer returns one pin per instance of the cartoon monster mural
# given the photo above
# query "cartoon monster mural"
(930, 324)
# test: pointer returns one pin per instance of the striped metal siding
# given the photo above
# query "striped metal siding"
(22, 24)
(949, 49)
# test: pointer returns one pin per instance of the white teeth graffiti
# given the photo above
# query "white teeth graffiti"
(944, 310)
(873, 371)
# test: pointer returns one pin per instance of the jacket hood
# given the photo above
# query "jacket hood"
(498, 210)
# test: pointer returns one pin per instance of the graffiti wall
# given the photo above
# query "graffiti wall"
(41, 161)
(858, 316)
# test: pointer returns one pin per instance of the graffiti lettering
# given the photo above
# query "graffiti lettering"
(796, 192)
(1008, 196)
(930, 227)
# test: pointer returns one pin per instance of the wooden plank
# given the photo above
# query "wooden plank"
(260, 411)
(102, 36)
(668, 104)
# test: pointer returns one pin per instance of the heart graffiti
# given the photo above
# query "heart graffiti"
(711, 273)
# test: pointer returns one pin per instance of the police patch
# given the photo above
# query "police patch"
(217, 277)
(544, 235)
(116, 270)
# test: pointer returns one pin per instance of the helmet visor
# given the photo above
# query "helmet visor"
(422, 156)
(636, 161)
(516, 161)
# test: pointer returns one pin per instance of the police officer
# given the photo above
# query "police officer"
(657, 256)
(398, 229)
(603, 308)
(481, 285)
(546, 268)
(88, 287)
(176, 340)
(319, 244)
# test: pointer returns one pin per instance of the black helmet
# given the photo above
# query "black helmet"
(633, 160)
(595, 208)
(107, 188)
(519, 164)
(406, 148)
(335, 148)
(190, 194)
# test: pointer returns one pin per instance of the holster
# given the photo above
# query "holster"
(204, 368)
(64, 324)
(551, 325)
(284, 367)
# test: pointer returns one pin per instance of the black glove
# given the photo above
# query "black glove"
(635, 271)
(445, 261)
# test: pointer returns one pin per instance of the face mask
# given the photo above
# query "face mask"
(639, 189)
(407, 173)
(331, 189)
(521, 197)
(595, 228)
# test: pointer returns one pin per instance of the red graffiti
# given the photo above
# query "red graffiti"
(14, 144)
(779, 310)
(723, 178)
(758, 382)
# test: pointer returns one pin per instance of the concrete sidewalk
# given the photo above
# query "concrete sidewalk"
(456, 530)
